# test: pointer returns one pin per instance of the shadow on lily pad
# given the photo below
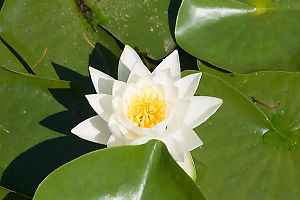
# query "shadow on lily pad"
(78, 109)
(27, 171)
(1, 4)
(98, 59)
(15, 196)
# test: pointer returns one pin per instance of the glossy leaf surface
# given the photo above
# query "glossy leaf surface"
(246, 145)
(36, 117)
(56, 40)
(147, 26)
(129, 172)
(241, 36)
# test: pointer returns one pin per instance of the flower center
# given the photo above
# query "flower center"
(146, 109)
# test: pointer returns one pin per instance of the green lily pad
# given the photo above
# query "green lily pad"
(9, 60)
(241, 36)
(147, 26)
(6, 194)
(36, 117)
(129, 172)
(53, 36)
(250, 151)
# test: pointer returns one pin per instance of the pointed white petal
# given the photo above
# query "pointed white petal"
(200, 109)
(183, 139)
(102, 104)
(164, 77)
(188, 165)
(94, 129)
(177, 116)
(102, 82)
(137, 72)
(116, 128)
(128, 59)
(114, 141)
(188, 85)
(118, 88)
(170, 62)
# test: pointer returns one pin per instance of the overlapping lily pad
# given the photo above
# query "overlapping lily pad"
(6, 194)
(241, 36)
(130, 172)
(250, 149)
(36, 117)
(9, 60)
(147, 26)
(51, 34)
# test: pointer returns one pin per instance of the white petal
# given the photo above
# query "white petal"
(113, 142)
(177, 115)
(164, 77)
(170, 62)
(142, 140)
(116, 129)
(200, 109)
(137, 72)
(118, 88)
(128, 59)
(94, 129)
(188, 165)
(183, 139)
(102, 104)
(188, 85)
(102, 82)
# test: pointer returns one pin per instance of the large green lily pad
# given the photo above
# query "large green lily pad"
(250, 151)
(36, 117)
(241, 36)
(147, 26)
(52, 36)
(129, 172)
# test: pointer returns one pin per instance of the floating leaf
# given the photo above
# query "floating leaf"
(6, 194)
(147, 26)
(146, 171)
(241, 36)
(9, 60)
(57, 36)
(36, 117)
(247, 145)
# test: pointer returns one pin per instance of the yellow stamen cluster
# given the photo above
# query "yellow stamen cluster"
(146, 109)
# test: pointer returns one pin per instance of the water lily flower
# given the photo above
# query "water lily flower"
(141, 106)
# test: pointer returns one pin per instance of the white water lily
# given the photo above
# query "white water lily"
(141, 106)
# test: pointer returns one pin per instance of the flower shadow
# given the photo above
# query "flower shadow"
(100, 58)
(78, 109)
(29, 168)
(27, 171)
